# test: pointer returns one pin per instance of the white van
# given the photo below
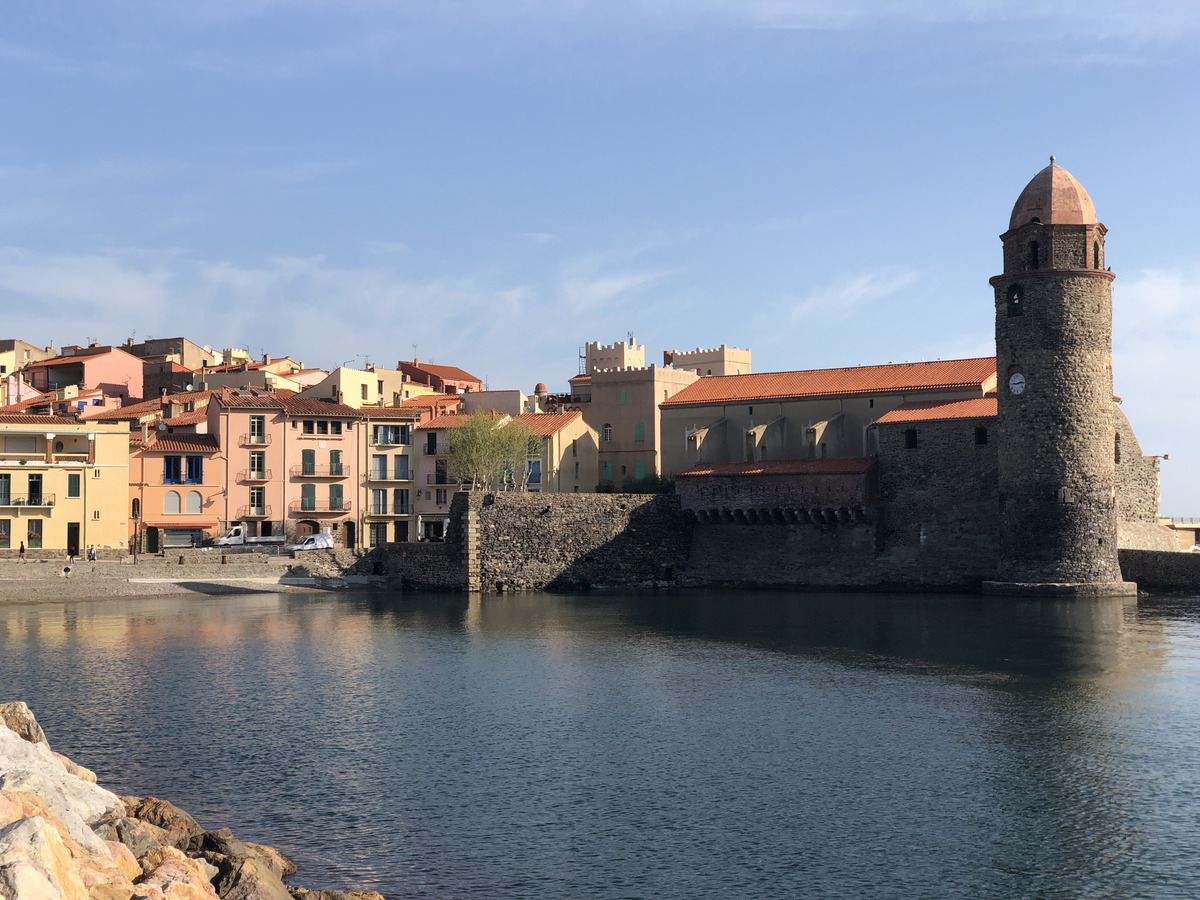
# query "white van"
(314, 542)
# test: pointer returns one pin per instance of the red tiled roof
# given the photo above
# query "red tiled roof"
(188, 418)
(21, 419)
(252, 398)
(430, 401)
(132, 411)
(78, 354)
(315, 406)
(952, 374)
(580, 378)
(851, 465)
(177, 443)
(546, 424)
(932, 411)
(35, 400)
(446, 373)
(448, 421)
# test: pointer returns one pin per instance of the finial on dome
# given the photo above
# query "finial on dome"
(1051, 160)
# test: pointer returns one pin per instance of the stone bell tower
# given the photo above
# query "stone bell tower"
(1057, 474)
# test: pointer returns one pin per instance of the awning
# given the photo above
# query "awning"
(182, 522)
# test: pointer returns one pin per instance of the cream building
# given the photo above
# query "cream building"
(64, 486)
(367, 387)
(567, 455)
(721, 360)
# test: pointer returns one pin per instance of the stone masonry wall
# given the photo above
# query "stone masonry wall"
(575, 541)
(1137, 495)
(940, 502)
(1161, 570)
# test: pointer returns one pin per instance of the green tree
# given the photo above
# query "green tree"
(489, 452)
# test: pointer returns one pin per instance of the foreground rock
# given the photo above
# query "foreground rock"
(63, 837)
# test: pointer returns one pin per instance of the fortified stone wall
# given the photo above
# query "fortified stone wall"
(940, 501)
(574, 541)
(1137, 494)
(1161, 570)
(766, 491)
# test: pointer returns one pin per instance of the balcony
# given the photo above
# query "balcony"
(388, 442)
(251, 475)
(432, 451)
(254, 440)
(39, 500)
(383, 511)
(441, 479)
(330, 471)
(377, 475)
(70, 457)
(254, 512)
(318, 507)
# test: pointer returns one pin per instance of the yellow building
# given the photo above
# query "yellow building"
(64, 486)
(367, 387)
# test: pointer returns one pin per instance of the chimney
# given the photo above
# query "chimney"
(145, 433)
(339, 398)
(266, 358)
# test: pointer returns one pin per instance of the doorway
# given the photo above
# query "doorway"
(349, 535)
(151, 539)
(72, 539)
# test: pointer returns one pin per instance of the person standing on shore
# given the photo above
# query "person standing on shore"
(21, 553)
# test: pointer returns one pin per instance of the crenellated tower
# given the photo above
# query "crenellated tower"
(1058, 532)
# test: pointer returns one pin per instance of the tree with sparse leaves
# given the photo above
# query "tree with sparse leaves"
(489, 452)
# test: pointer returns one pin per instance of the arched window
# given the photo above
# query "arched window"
(136, 511)
(606, 432)
(171, 503)
(639, 470)
(1095, 254)
(1015, 296)
(1117, 449)
(639, 431)
(193, 503)
(1033, 254)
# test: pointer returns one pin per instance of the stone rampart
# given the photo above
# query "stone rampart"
(1161, 570)
(577, 541)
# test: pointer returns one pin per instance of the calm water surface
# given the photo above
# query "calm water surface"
(705, 745)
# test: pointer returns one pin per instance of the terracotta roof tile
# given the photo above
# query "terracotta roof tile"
(450, 421)
(429, 401)
(188, 418)
(451, 373)
(177, 443)
(546, 424)
(252, 398)
(852, 465)
(933, 411)
(315, 406)
(952, 374)
(21, 419)
(78, 354)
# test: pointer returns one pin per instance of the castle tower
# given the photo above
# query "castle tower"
(1058, 532)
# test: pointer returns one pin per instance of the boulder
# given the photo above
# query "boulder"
(139, 837)
(249, 879)
(35, 864)
(304, 894)
(223, 841)
(77, 770)
(124, 859)
(276, 861)
(170, 875)
(182, 830)
(20, 720)
(31, 768)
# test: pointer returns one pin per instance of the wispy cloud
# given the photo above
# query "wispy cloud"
(844, 297)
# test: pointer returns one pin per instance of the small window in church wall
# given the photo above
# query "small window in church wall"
(910, 439)
(1033, 254)
(1015, 297)
(1095, 254)
(1117, 449)
(980, 436)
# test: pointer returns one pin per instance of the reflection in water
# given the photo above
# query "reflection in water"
(715, 744)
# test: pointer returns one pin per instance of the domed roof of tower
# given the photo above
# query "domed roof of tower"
(1053, 197)
(539, 389)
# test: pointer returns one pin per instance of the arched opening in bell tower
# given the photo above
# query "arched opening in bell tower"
(1033, 254)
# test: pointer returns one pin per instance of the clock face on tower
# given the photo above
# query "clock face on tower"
(1016, 384)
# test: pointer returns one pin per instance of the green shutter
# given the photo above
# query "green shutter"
(335, 496)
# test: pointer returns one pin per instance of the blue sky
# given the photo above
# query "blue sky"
(499, 182)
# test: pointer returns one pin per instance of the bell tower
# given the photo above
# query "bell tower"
(1057, 473)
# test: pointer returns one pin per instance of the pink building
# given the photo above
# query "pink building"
(108, 369)
(291, 464)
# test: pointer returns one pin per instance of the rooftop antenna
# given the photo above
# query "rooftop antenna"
(631, 340)
(583, 360)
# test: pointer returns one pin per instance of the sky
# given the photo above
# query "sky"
(493, 183)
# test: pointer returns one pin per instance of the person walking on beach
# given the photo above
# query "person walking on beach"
(21, 553)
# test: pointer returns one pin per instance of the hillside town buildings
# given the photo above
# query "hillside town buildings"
(169, 442)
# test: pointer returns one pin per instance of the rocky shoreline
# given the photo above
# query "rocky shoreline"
(63, 837)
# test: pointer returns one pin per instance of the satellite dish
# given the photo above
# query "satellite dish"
(191, 387)
(162, 426)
